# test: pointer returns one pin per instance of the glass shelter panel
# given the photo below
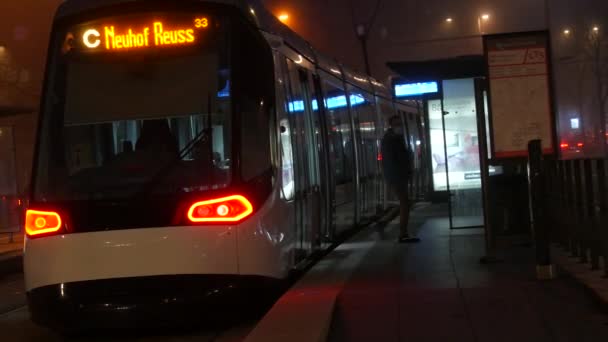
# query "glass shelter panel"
(462, 143)
(414, 144)
(437, 146)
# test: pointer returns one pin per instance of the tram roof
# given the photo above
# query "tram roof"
(262, 18)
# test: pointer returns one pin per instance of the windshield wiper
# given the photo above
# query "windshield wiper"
(202, 136)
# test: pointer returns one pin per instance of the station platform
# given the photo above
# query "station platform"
(372, 288)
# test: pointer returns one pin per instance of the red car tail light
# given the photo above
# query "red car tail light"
(226, 209)
(41, 222)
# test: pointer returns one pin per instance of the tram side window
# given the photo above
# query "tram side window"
(254, 79)
(341, 144)
(421, 144)
(286, 153)
(414, 138)
(365, 116)
(387, 111)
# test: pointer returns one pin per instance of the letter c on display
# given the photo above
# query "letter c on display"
(91, 43)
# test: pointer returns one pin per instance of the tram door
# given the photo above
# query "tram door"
(308, 189)
(324, 179)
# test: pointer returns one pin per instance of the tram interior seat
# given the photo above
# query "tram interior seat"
(156, 134)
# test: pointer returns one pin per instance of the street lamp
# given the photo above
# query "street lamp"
(3, 53)
(567, 32)
(449, 20)
(482, 18)
(284, 17)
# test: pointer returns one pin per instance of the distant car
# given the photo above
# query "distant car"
(572, 147)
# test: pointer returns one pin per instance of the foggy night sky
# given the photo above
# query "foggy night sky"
(327, 24)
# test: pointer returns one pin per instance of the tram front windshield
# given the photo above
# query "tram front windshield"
(137, 103)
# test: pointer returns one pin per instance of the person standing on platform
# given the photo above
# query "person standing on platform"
(397, 167)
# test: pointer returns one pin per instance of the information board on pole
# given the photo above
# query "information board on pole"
(520, 93)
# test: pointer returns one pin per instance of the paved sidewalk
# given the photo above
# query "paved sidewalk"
(595, 281)
(437, 291)
(8, 247)
(11, 254)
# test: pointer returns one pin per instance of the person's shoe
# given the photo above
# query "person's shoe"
(408, 239)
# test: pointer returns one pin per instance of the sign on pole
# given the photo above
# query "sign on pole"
(518, 67)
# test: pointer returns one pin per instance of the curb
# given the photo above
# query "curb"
(11, 262)
(593, 281)
(305, 312)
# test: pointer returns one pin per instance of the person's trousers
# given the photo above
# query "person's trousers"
(404, 207)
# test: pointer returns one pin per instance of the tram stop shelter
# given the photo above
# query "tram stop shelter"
(448, 86)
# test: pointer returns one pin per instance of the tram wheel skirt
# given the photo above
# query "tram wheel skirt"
(141, 302)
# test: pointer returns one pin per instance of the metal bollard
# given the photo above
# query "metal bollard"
(544, 269)
(563, 201)
(579, 216)
(603, 214)
(591, 235)
(571, 209)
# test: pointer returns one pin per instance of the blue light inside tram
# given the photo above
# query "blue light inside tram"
(226, 91)
(330, 103)
(413, 89)
(296, 106)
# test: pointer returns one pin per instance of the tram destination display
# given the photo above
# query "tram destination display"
(137, 33)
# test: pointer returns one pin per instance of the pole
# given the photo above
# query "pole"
(363, 39)
(490, 256)
(447, 169)
(544, 268)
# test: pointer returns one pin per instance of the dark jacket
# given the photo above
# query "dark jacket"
(396, 160)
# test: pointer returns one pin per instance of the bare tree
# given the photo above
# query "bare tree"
(15, 82)
(595, 59)
(589, 55)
